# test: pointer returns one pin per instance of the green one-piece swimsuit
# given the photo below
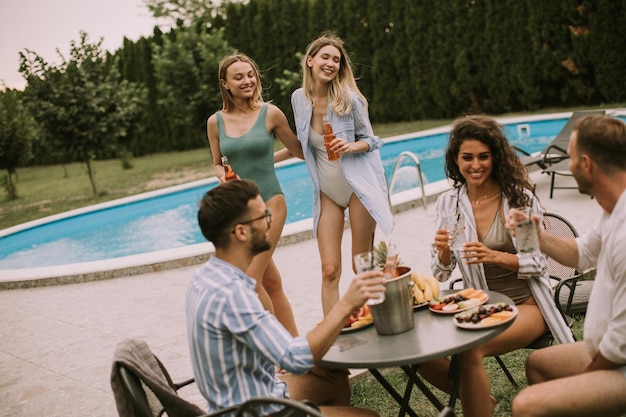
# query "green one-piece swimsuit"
(252, 154)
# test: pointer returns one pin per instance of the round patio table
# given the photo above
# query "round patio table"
(433, 336)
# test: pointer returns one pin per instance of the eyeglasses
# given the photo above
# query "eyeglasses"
(267, 216)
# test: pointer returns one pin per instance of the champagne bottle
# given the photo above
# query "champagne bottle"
(229, 174)
(329, 136)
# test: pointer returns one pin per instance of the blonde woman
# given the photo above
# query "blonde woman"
(356, 181)
(244, 131)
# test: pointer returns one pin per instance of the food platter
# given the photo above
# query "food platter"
(350, 329)
(496, 319)
(471, 298)
(417, 306)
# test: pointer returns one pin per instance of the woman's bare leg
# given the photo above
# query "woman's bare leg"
(362, 227)
(474, 389)
(329, 235)
(263, 269)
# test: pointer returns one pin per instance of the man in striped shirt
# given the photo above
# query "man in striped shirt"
(235, 343)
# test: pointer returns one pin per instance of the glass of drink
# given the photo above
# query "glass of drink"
(525, 230)
(368, 261)
(454, 223)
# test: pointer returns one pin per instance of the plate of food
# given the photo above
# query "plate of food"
(459, 301)
(485, 316)
(359, 319)
(417, 306)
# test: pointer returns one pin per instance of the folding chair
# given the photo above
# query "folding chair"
(571, 294)
(143, 388)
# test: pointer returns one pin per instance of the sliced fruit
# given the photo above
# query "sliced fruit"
(475, 294)
(450, 307)
(468, 303)
(466, 291)
(491, 320)
(502, 314)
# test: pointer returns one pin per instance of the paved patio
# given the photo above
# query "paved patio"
(58, 342)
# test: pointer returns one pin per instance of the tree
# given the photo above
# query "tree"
(86, 107)
(18, 130)
(185, 12)
(186, 69)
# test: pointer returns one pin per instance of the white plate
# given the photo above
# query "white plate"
(479, 325)
(418, 306)
(356, 329)
(483, 301)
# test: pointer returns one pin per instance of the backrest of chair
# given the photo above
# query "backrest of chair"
(562, 228)
(561, 140)
(137, 394)
(141, 382)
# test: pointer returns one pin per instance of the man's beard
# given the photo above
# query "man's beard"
(259, 243)
(584, 186)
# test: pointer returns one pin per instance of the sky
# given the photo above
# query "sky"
(43, 26)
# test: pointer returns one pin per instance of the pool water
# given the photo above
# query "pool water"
(169, 220)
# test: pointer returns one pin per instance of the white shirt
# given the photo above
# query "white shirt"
(605, 247)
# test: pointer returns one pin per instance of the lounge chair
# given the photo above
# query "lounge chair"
(556, 151)
(560, 168)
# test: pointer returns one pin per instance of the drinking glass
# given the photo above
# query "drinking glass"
(368, 261)
(525, 230)
(454, 223)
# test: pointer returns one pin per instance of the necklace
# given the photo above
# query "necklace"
(478, 200)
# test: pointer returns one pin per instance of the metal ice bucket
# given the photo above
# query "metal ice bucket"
(395, 314)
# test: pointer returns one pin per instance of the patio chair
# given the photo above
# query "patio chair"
(571, 293)
(562, 169)
(556, 151)
(142, 387)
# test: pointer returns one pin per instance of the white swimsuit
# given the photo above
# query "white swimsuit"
(332, 181)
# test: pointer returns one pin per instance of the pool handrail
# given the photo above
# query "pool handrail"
(416, 161)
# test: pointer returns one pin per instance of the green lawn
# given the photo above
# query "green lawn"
(367, 392)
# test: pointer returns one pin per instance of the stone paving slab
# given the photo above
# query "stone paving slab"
(58, 341)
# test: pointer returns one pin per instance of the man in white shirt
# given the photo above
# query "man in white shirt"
(588, 378)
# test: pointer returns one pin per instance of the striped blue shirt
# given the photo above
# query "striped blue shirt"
(363, 171)
(234, 342)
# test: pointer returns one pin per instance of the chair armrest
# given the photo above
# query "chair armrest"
(453, 282)
(570, 282)
(179, 385)
(247, 408)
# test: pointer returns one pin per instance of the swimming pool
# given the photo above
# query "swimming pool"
(166, 219)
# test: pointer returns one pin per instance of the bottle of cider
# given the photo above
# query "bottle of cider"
(229, 174)
(329, 136)
(391, 263)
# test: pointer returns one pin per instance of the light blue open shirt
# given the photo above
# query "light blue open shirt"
(234, 342)
(532, 266)
(363, 171)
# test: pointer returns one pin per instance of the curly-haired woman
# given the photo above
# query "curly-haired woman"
(488, 179)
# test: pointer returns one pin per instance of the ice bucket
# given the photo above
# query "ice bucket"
(395, 314)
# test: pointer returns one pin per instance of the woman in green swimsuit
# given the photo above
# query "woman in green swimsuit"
(244, 131)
